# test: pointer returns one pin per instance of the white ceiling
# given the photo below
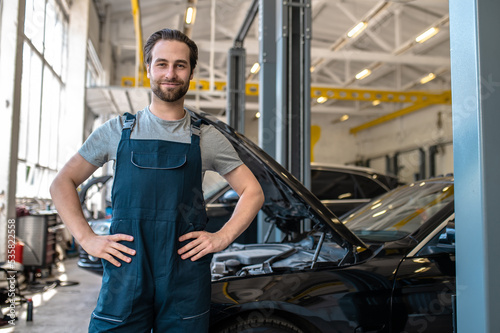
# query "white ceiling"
(387, 46)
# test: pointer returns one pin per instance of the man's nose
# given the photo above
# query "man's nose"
(170, 72)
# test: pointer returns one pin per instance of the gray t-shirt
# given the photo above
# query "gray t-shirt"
(217, 153)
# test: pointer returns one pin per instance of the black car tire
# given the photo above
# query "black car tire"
(261, 325)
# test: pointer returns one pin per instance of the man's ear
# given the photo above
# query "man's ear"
(147, 71)
(191, 76)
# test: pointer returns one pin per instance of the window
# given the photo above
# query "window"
(368, 188)
(42, 95)
(332, 185)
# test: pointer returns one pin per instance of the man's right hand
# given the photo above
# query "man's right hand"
(108, 248)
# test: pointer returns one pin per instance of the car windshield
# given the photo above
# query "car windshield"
(400, 212)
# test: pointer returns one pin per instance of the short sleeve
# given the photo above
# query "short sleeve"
(102, 143)
(217, 152)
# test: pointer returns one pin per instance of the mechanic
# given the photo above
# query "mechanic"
(157, 257)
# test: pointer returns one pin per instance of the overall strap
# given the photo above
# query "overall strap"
(128, 125)
(195, 130)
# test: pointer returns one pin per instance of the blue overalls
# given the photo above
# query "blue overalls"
(157, 197)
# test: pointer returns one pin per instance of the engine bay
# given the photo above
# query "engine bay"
(256, 259)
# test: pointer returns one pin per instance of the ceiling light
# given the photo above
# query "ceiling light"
(364, 73)
(427, 78)
(190, 15)
(255, 68)
(257, 115)
(426, 35)
(357, 29)
(380, 213)
(376, 102)
(344, 117)
(321, 100)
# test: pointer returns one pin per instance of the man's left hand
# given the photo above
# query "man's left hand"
(202, 243)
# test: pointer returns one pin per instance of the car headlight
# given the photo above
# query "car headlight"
(101, 228)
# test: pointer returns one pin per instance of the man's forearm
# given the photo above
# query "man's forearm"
(68, 206)
(246, 209)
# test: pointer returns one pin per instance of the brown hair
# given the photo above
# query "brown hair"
(170, 34)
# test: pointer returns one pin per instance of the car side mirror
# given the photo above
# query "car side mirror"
(229, 197)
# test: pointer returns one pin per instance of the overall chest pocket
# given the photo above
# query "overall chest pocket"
(157, 161)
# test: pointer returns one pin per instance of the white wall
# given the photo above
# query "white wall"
(420, 129)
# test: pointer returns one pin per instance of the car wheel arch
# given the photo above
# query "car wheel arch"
(263, 314)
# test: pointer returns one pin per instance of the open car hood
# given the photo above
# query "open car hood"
(286, 199)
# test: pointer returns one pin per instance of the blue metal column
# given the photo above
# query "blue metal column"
(475, 51)
(293, 36)
(236, 64)
(267, 90)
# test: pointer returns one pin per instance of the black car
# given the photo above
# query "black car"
(389, 266)
(392, 270)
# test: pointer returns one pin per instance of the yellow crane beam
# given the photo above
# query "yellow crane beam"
(443, 98)
(347, 94)
(141, 72)
(419, 99)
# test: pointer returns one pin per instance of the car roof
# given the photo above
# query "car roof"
(344, 167)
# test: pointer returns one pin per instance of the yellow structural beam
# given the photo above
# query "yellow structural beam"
(348, 94)
(419, 99)
(141, 72)
(443, 98)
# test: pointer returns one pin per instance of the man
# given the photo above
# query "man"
(156, 260)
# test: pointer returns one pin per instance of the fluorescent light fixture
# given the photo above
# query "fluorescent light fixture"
(255, 68)
(380, 213)
(321, 100)
(344, 117)
(190, 15)
(427, 78)
(426, 35)
(357, 29)
(345, 196)
(364, 73)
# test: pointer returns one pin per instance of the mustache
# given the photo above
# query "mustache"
(172, 81)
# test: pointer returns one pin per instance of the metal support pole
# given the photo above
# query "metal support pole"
(11, 44)
(475, 82)
(422, 162)
(293, 125)
(293, 87)
(236, 88)
(267, 95)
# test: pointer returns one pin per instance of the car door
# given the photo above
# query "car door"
(425, 284)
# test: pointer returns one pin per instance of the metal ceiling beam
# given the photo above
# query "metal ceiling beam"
(247, 22)
(327, 54)
(236, 68)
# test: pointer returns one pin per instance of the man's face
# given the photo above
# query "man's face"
(169, 71)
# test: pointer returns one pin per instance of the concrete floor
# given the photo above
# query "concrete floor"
(61, 309)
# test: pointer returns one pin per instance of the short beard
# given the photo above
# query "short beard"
(173, 95)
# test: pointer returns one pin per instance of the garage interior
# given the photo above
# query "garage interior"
(349, 82)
